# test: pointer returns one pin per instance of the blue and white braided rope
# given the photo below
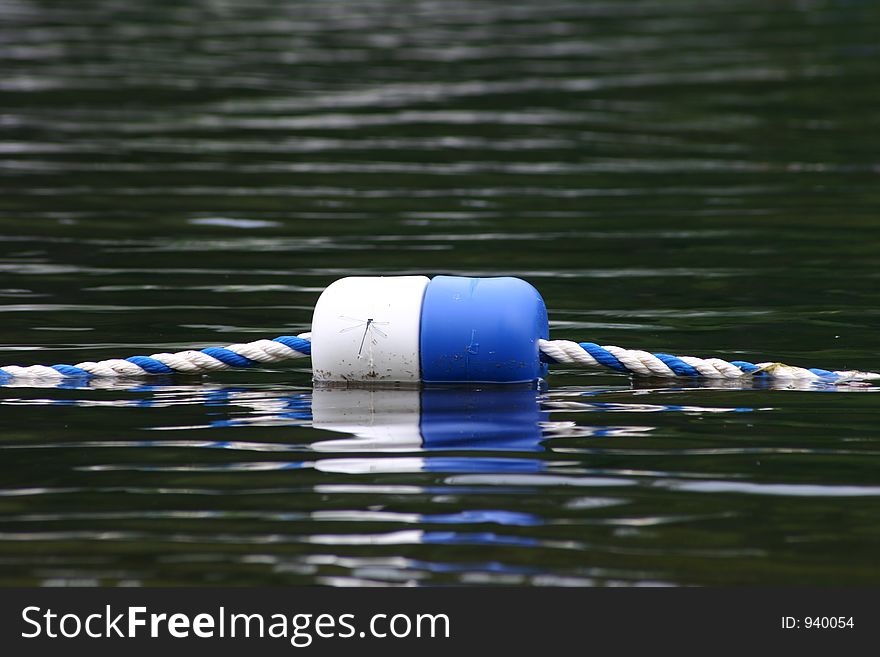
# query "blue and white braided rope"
(642, 363)
(632, 362)
(190, 361)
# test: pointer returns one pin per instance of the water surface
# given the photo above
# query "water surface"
(690, 177)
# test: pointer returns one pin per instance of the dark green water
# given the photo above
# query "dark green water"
(691, 177)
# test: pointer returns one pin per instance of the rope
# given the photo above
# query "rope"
(642, 363)
(632, 362)
(184, 362)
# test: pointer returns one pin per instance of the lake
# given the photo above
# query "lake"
(697, 178)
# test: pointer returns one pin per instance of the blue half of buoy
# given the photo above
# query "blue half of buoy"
(481, 330)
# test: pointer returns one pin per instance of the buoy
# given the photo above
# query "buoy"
(449, 329)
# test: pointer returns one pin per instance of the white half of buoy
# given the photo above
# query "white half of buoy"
(367, 329)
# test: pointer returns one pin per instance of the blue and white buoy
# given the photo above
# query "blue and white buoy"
(449, 329)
